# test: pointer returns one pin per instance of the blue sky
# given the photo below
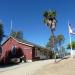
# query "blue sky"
(27, 16)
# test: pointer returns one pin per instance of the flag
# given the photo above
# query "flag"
(71, 30)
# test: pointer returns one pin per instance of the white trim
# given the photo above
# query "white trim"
(18, 41)
(21, 42)
(28, 60)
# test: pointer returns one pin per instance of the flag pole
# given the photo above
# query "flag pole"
(10, 27)
(70, 40)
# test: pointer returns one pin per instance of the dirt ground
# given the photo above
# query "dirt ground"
(64, 67)
(47, 67)
(25, 68)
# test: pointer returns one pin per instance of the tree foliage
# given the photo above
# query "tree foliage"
(17, 34)
(58, 41)
(49, 15)
(50, 19)
(1, 32)
(59, 49)
(51, 42)
(72, 44)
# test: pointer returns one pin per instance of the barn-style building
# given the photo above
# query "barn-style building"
(14, 47)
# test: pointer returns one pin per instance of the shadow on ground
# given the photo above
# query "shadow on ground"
(7, 65)
(62, 59)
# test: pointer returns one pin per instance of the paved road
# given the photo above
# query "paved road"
(25, 68)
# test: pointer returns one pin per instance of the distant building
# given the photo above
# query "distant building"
(72, 52)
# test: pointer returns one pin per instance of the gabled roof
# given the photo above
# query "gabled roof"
(22, 41)
(26, 42)
(17, 40)
(30, 43)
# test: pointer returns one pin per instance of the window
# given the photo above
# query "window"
(13, 50)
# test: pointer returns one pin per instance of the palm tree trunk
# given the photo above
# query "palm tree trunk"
(53, 44)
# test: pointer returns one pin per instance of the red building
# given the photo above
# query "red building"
(23, 48)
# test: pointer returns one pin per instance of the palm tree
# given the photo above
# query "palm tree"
(50, 20)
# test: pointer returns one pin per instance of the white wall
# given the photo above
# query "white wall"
(73, 53)
(40, 54)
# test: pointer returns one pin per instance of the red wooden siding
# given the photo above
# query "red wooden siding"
(27, 50)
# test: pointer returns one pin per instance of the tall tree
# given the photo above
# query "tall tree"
(1, 32)
(60, 41)
(50, 20)
(50, 43)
